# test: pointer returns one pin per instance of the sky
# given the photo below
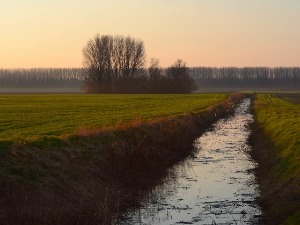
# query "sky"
(52, 33)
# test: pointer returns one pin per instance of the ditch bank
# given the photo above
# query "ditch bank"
(94, 175)
(214, 186)
(279, 196)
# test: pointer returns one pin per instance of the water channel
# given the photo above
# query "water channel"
(215, 186)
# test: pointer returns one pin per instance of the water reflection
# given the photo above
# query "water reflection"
(216, 186)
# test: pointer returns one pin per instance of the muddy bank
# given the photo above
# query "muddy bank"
(280, 198)
(93, 176)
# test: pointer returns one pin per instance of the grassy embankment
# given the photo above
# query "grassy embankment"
(276, 146)
(81, 159)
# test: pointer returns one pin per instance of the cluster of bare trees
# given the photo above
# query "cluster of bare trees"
(247, 77)
(41, 77)
(115, 64)
(108, 59)
(174, 79)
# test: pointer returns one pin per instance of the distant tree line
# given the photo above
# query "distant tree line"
(115, 64)
(247, 77)
(154, 79)
(41, 78)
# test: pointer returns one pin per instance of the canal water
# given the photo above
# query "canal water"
(215, 186)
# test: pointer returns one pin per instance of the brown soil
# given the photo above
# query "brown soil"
(279, 198)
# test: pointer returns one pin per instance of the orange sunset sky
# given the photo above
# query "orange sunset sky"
(52, 33)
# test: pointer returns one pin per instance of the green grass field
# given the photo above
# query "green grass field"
(34, 116)
(281, 118)
(279, 115)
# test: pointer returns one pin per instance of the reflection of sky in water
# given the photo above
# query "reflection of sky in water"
(214, 187)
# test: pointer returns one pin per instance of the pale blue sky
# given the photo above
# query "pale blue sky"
(52, 33)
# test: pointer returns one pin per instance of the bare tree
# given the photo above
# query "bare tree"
(179, 75)
(178, 69)
(154, 69)
(107, 58)
(97, 56)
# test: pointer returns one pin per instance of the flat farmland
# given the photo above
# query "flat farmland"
(33, 116)
(290, 97)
